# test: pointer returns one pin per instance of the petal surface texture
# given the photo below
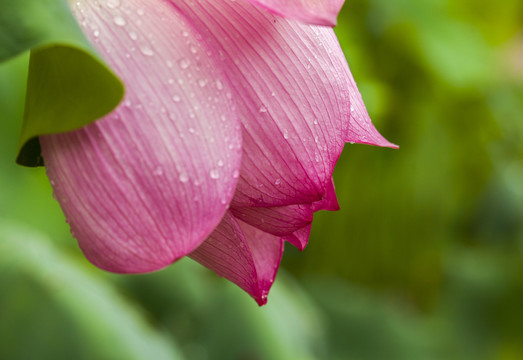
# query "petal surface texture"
(294, 91)
(242, 254)
(148, 183)
(317, 12)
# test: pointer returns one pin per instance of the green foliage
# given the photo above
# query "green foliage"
(68, 86)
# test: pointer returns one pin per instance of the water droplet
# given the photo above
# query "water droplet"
(169, 63)
(223, 118)
(120, 21)
(219, 85)
(177, 98)
(185, 33)
(96, 33)
(235, 174)
(111, 4)
(146, 50)
(277, 182)
(191, 130)
(315, 121)
(273, 93)
(183, 177)
(140, 12)
(214, 174)
(351, 108)
(133, 35)
(202, 82)
(285, 134)
(184, 63)
(158, 171)
(262, 109)
(220, 163)
(193, 48)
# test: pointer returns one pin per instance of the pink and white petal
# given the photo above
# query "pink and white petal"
(242, 254)
(148, 183)
(293, 87)
(315, 12)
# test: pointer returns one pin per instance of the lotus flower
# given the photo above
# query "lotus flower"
(226, 140)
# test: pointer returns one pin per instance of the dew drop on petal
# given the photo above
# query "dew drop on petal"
(214, 174)
(120, 21)
(183, 177)
(184, 63)
(112, 4)
(177, 98)
(146, 50)
(158, 171)
(285, 134)
(235, 174)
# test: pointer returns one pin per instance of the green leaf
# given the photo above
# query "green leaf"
(80, 314)
(68, 85)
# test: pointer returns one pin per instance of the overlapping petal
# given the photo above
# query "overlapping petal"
(148, 183)
(285, 75)
(153, 181)
(317, 12)
(244, 255)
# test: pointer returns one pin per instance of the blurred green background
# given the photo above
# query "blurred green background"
(423, 261)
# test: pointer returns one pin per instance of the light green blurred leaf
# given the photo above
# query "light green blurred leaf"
(68, 85)
(37, 278)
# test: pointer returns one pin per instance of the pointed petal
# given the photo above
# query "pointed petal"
(329, 201)
(360, 129)
(149, 182)
(280, 221)
(300, 237)
(294, 89)
(317, 12)
(244, 255)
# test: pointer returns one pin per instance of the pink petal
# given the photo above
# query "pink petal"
(243, 254)
(318, 12)
(329, 201)
(148, 183)
(300, 237)
(281, 221)
(294, 91)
